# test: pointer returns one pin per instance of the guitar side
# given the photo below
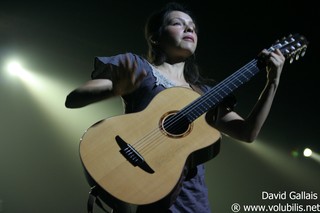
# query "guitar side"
(166, 156)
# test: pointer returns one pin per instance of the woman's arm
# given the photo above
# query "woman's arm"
(230, 123)
(123, 81)
(90, 92)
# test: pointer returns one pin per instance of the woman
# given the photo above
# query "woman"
(172, 38)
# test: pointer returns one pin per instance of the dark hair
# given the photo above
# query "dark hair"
(153, 30)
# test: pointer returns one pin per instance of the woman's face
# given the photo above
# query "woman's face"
(179, 38)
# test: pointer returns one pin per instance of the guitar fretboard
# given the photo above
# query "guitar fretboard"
(216, 94)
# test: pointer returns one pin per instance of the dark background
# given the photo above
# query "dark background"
(40, 169)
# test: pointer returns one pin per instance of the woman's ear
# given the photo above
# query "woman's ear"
(153, 41)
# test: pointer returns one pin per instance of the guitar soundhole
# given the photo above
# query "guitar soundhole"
(174, 125)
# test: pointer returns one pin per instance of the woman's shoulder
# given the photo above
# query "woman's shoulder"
(116, 58)
(102, 64)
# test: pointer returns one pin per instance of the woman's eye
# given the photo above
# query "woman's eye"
(176, 23)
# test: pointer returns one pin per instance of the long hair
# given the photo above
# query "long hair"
(153, 31)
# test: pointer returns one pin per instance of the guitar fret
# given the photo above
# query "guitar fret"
(220, 91)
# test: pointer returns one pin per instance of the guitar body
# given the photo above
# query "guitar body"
(163, 155)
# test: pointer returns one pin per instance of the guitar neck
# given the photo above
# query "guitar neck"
(292, 47)
(216, 94)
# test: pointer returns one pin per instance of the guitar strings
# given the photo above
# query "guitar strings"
(150, 146)
(156, 140)
(144, 145)
(216, 96)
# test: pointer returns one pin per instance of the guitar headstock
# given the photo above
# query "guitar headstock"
(292, 47)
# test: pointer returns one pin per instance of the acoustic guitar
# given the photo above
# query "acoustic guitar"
(138, 158)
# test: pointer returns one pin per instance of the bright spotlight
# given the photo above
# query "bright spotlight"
(307, 152)
(15, 68)
(311, 154)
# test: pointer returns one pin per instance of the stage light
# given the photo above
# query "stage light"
(15, 68)
(307, 152)
(49, 92)
(283, 162)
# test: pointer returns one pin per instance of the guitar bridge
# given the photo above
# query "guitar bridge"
(132, 155)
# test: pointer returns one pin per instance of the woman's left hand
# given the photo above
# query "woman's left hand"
(274, 62)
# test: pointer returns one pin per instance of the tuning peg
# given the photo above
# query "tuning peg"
(303, 51)
(291, 59)
(293, 46)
